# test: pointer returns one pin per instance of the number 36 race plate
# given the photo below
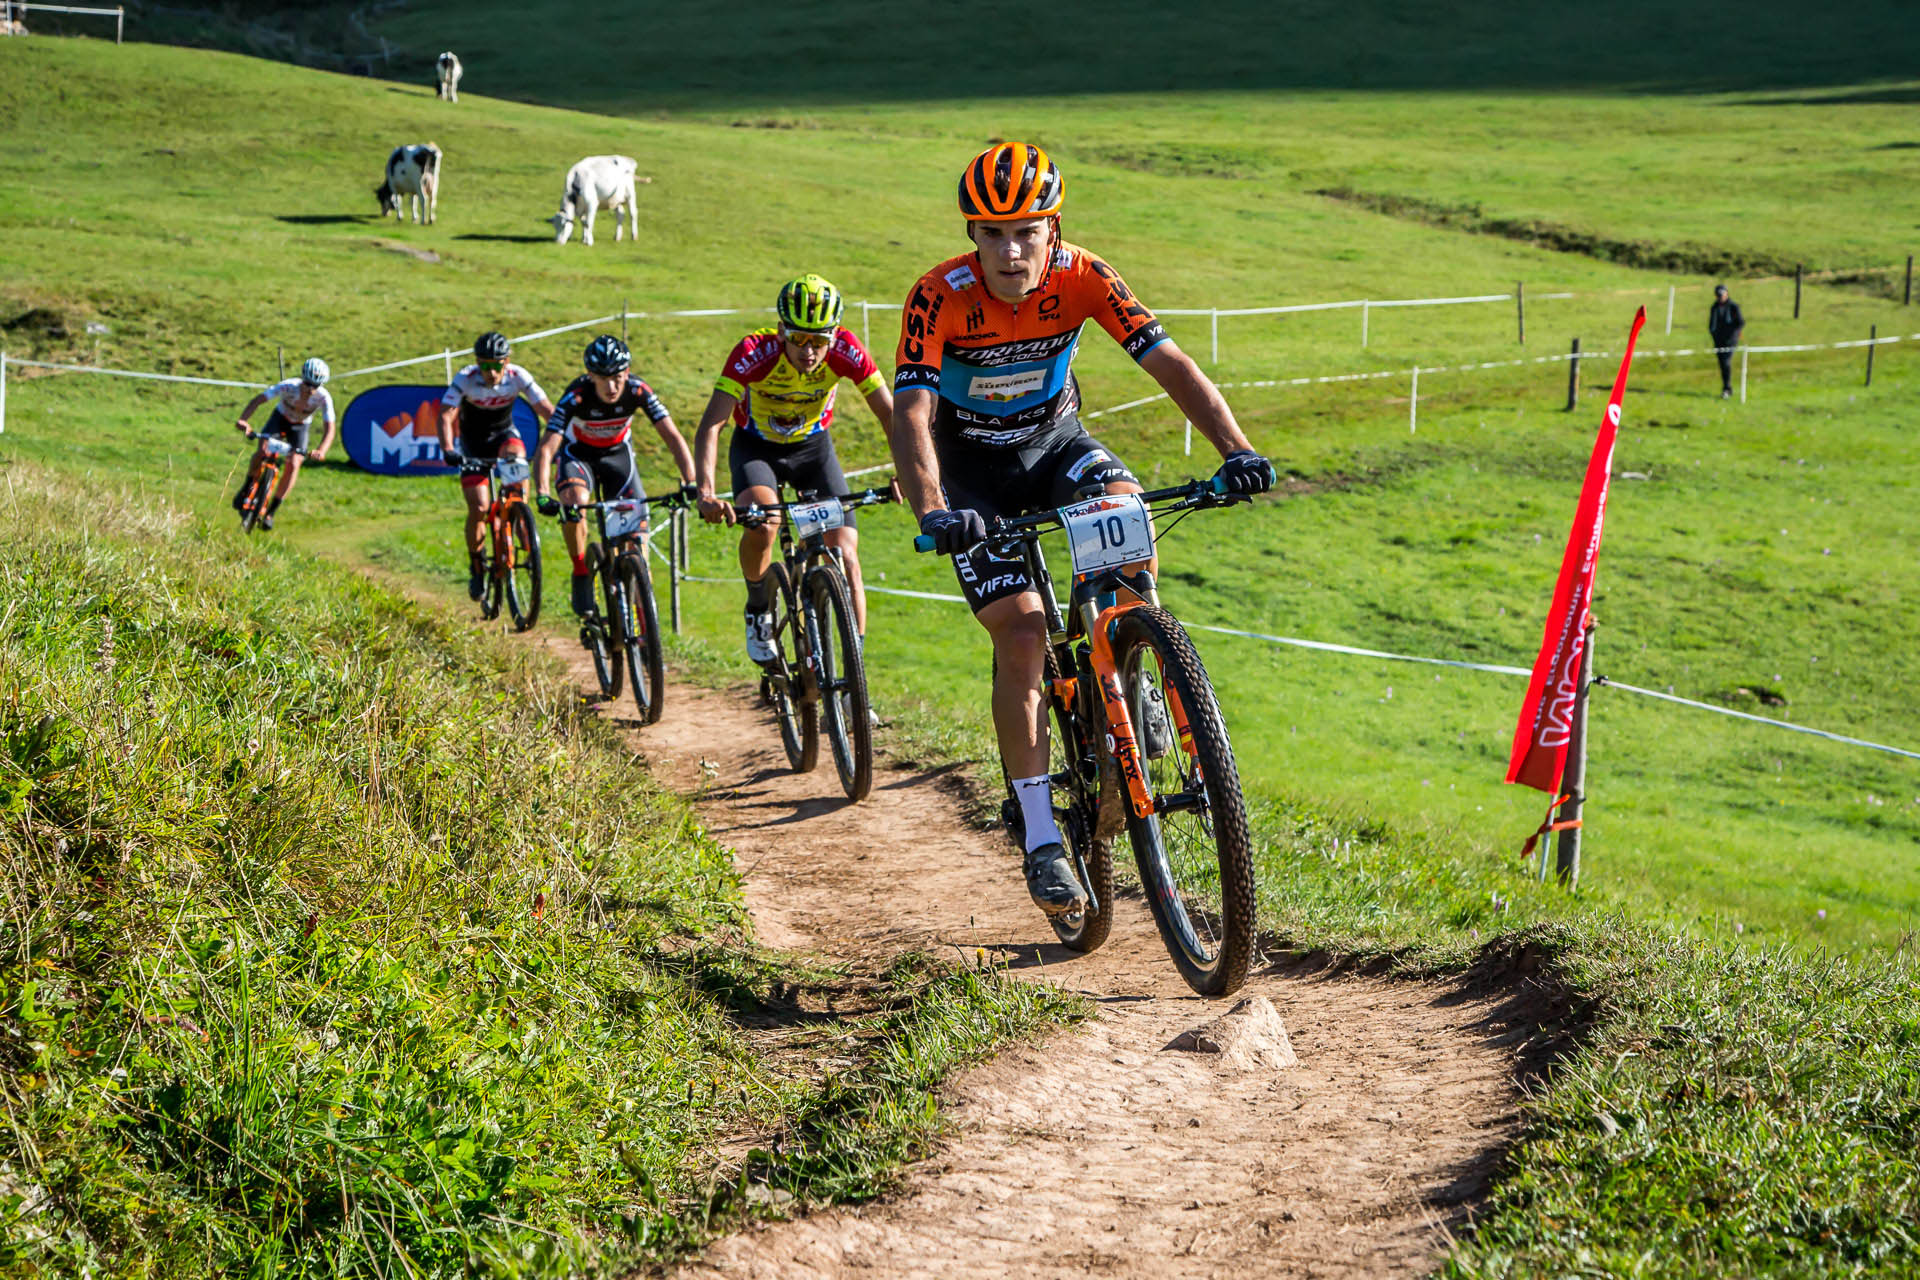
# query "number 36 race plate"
(1105, 533)
(810, 518)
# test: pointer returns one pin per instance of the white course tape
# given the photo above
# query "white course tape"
(18, 363)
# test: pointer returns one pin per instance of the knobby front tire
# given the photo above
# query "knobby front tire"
(646, 664)
(843, 679)
(1196, 864)
(523, 583)
(613, 609)
(254, 505)
(799, 717)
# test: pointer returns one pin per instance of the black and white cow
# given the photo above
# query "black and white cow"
(450, 70)
(413, 181)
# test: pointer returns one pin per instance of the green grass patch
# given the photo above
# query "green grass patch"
(341, 940)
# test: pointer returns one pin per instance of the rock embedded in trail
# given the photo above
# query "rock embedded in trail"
(1249, 1035)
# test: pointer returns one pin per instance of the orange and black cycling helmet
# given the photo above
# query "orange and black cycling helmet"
(1011, 180)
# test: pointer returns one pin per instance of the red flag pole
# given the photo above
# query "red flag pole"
(1555, 709)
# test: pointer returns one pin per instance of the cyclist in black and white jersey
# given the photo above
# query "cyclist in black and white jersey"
(298, 399)
(591, 433)
(477, 410)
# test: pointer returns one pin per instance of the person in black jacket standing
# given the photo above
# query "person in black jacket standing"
(1725, 322)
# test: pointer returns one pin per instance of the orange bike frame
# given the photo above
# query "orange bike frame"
(497, 524)
(1125, 747)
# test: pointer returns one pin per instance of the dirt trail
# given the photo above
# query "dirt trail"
(1100, 1151)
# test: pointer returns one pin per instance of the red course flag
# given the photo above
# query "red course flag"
(1546, 718)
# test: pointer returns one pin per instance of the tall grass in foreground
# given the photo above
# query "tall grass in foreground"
(338, 940)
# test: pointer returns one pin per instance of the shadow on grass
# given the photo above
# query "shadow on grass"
(504, 239)
(323, 219)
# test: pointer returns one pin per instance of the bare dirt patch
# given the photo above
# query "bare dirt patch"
(1115, 1149)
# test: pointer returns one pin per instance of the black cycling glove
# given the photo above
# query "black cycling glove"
(1245, 471)
(549, 506)
(453, 457)
(954, 532)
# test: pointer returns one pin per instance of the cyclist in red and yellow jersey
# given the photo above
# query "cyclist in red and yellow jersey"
(987, 425)
(778, 388)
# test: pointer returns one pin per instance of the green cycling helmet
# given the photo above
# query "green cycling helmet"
(810, 303)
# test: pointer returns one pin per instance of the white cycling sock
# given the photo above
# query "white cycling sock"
(1036, 810)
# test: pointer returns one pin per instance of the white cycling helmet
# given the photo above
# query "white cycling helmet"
(315, 372)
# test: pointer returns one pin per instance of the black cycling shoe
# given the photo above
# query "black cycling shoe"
(583, 594)
(1051, 882)
(1156, 735)
(266, 521)
(476, 583)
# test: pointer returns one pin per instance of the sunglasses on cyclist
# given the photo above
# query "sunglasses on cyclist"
(492, 366)
(812, 341)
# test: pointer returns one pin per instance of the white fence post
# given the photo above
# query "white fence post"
(448, 357)
(120, 25)
(1413, 403)
(1743, 375)
(1216, 339)
(1669, 308)
(3, 391)
(1365, 306)
(1189, 438)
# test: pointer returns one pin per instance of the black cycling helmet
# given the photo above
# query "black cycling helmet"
(607, 355)
(492, 345)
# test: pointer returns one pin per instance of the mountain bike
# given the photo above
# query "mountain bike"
(1138, 738)
(512, 568)
(817, 672)
(624, 638)
(274, 451)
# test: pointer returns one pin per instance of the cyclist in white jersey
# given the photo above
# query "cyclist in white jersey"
(298, 400)
(477, 411)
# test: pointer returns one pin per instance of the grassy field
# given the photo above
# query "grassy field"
(1756, 553)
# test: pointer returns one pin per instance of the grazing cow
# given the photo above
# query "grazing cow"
(413, 181)
(595, 182)
(449, 77)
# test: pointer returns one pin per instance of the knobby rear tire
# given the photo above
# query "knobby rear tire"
(523, 583)
(838, 661)
(646, 664)
(1075, 810)
(799, 719)
(1196, 866)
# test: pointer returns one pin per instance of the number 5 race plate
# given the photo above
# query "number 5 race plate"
(623, 518)
(1105, 533)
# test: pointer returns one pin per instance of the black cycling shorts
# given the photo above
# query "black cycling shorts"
(811, 466)
(1064, 465)
(481, 437)
(608, 473)
(277, 425)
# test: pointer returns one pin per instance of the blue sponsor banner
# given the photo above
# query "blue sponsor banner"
(395, 431)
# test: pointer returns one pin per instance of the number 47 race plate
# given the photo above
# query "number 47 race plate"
(1105, 533)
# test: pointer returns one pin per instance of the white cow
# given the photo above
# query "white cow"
(413, 181)
(450, 70)
(595, 182)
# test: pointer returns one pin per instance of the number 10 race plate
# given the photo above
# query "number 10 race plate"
(1105, 533)
(810, 518)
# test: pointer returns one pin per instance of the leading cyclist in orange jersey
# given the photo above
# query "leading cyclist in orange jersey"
(986, 423)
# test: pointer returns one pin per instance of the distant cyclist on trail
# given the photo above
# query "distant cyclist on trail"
(299, 399)
(988, 425)
(478, 410)
(590, 432)
(778, 386)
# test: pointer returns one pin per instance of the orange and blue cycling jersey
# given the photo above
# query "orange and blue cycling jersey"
(1004, 371)
(778, 402)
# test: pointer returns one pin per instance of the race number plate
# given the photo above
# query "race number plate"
(1105, 533)
(276, 446)
(810, 518)
(510, 471)
(623, 518)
